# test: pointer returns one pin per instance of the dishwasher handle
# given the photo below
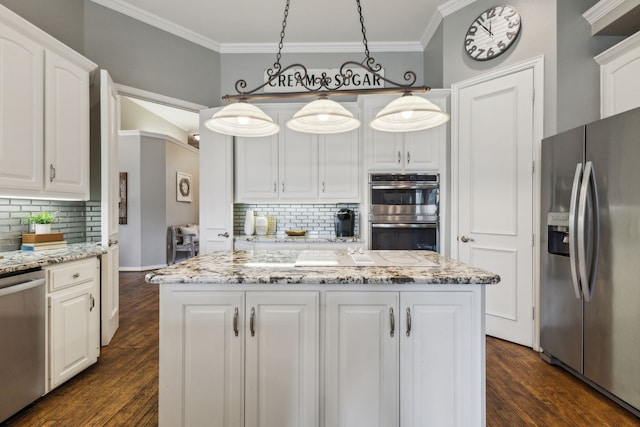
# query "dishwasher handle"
(21, 286)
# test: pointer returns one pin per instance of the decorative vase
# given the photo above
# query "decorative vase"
(262, 225)
(43, 228)
(249, 223)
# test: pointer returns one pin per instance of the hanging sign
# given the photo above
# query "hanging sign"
(360, 79)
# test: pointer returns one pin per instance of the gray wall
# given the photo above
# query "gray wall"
(433, 59)
(578, 73)
(144, 57)
(136, 54)
(151, 163)
(537, 37)
(63, 19)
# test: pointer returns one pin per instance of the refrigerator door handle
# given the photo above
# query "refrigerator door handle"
(573, 256)
(588, 206)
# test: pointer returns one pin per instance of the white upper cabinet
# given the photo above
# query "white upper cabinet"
(44, 114)
(298, 162)
(21, 112)
(296, 167)
(420, 151)
(66, 127)
(339, 162)
(620, 77)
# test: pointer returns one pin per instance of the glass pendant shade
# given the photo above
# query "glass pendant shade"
(323, 116)
(242, 119)
(408, 113)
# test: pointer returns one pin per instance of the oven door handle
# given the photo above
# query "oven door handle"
(403, 186)
(426, 225)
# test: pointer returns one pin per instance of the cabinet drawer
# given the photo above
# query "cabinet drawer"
(71, 273)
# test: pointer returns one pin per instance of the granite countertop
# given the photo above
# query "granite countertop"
(277, 267)
(23, 260)
(308, 238)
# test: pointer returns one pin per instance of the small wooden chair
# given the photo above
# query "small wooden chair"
(177, 241)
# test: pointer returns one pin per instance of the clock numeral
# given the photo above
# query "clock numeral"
(473, 49)
(510, 14)
(472, 30)
(467, 42)
(514, 23)
(502, 10)
(480, 52)
(511, 34)
(491, 13)
(501, 45)
(490, 53)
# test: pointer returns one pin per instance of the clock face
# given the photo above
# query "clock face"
(491, 33)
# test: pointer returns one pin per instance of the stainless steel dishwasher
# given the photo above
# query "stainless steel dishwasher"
(22, 340)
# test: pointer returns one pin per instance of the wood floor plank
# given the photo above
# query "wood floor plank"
(122, 388)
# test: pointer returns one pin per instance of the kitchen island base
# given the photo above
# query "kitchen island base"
(322, 355)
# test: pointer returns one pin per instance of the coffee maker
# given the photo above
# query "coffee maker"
(345, 222)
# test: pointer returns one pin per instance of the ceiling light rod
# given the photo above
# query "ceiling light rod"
(320, 85)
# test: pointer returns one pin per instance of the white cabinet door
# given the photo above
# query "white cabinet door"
(386, 148)
(201, 376)
(339, 162)
(257, 168)
(422, 149)
(438, 360)
(21, 113)
(298, 154)
(66, 158)
(361, 368)
(74, 325)
(282, 361)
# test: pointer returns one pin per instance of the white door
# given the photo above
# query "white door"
(206, 333)
(361, 368)
(438, 358)
(73, 318)
(109, 196)
(495, 196)
(282, 361)
(216, 188)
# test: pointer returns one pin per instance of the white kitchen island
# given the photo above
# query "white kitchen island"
(384, 338)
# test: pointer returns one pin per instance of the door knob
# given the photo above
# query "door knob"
(225, 234)
(466, 239)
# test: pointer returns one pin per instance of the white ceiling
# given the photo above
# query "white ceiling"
(312, 25)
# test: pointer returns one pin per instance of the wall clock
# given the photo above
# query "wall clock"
(493, 32)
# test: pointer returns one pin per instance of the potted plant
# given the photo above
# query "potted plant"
(42, 222)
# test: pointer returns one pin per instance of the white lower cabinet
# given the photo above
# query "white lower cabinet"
(402, 359)
(248, 358)
(388, 358)
(73, 318)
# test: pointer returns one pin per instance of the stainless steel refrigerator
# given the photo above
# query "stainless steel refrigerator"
(590, 254)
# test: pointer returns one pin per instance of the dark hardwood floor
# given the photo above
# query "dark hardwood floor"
(122, 388)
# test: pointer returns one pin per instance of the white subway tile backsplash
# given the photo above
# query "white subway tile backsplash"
(316, 218)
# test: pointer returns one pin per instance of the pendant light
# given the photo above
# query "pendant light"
(242, 119)
(323, 116)
(407, 114)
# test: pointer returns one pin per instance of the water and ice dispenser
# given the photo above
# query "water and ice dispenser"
(558, 233)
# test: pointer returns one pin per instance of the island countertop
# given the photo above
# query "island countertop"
(279, 267)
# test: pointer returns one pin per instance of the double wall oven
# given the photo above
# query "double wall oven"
(403, 211)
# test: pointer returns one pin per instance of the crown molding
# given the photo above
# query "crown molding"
(351, 47)
(141, 15)
(631, 43)
(600, 10)
(443, 10)
(158, 22)
(453, 6)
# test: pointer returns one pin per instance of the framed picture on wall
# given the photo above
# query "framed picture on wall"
(184, 189)
(122, 205)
